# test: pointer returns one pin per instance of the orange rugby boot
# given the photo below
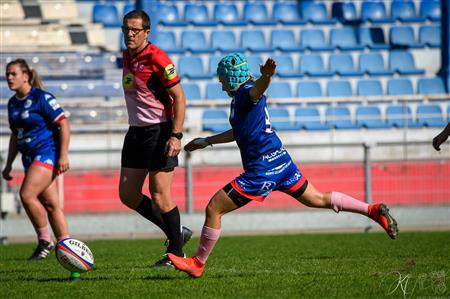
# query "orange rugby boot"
(191, 265)
(380, 213)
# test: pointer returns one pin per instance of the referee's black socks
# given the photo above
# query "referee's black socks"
(151, 212)
(172, 222)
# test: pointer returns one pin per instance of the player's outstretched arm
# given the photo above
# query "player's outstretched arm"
(441, 137)
(267, 70)
(202, 142)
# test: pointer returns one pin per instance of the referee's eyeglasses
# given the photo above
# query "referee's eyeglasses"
(135, 31)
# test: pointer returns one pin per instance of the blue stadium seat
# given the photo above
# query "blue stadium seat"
(373, 64)
(429, 86)
(254, 41)
(287, 14)
(257, 14)
(279, 119)
(197, 15)
(285, 67)
(373, 38)
(399, 116)
(192, 91)
(431, 9)
(312, 65)
(375, 12)
(344, 12)
(308, 89)
(396, 87)
(6, 93)
(195, 42)
(342, 65)
(254, 61)
(308, 118)
(84, 88)
(344, 39)
(339, 88)
(430, 36)
(403, 37)
(279, 90)
(224, 41)
(403, 63)
(430, 115)
(214, 92)
(215, 120)
(314, 40)
(284, 41)
(369, 117)
(127, 7)
(316, 13)
(339, 118)
(122, 42)
(212, 63)
(192, 68)
(168, 15)
(227, 14)
(405, 11)
(369, 88)
(166, 41)
(106, 14)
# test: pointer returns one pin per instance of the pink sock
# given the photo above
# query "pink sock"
(343, 202)
(43, 234)
(208, 240)
(63, 237)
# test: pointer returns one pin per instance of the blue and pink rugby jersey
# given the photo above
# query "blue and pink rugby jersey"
(145, 78)
(33, 120)
(267, 165)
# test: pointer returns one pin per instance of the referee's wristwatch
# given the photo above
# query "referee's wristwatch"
(177, 135)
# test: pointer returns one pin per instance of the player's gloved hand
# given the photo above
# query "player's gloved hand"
(197, 143)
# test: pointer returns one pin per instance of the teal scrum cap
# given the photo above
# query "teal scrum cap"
(234, 69)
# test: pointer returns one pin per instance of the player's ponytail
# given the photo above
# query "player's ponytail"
(34, 78)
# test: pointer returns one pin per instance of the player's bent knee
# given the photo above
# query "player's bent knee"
(26, 196)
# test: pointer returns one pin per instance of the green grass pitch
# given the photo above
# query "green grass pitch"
(279, 266)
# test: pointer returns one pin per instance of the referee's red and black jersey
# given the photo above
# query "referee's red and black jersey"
(145, 80)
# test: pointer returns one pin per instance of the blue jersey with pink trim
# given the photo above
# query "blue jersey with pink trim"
(33, 120)
(260, 147)
(268, 166)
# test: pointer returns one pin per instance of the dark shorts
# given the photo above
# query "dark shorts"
(144, 148)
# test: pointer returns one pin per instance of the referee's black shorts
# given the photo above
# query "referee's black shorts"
(145, 147)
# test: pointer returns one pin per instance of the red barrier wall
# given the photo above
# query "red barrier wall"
(394, 183)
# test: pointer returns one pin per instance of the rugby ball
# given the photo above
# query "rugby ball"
(74, 255)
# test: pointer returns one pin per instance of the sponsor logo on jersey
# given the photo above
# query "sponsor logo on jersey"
(274, 155)
(137, 67)
(266, 188)
(27, 104)
(294, 179)
(279, 169)
(128, 81)
(170, 72)
(25, 114)
(54, 104)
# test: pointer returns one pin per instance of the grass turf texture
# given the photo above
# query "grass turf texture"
(281, 266)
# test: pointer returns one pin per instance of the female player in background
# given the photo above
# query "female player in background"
(40, 132)
(267, 165)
